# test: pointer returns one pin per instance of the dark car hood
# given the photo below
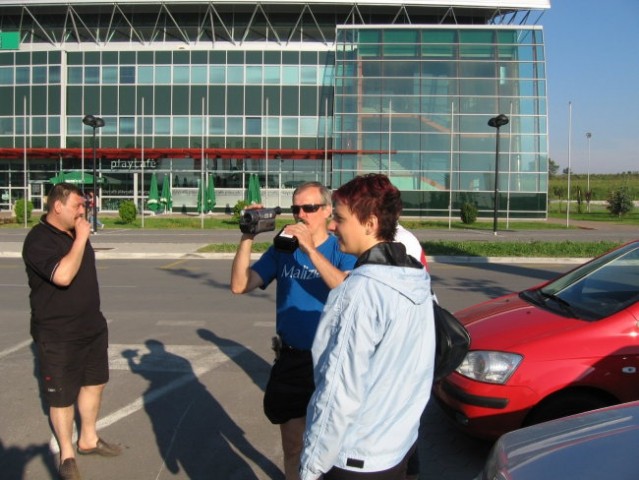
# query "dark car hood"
(597, 444)
(505, 322)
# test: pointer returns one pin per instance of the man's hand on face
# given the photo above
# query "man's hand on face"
(82, 227)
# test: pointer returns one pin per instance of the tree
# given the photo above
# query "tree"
(620, 202)
(566, 171)
(553, 168)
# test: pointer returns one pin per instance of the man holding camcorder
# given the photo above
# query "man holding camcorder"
(304, 278)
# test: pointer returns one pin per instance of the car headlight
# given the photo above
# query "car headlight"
(490, 367)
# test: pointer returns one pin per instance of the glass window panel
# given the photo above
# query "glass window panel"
(199, 74)
(235, 74)
(75, 126)
(484, 52)
(235, 101)
(253, 126)
(309, 75)
(163, 75)
(197, 126)
(162, 125)
(180, 101)
(253, 74)
(39, 75)
(477, 69)
(145, 75)
(6, 126)
(53, 125)
(23, 75)
(54, 74)
(181, 74)
(6, 76)
(218, 74)
(308, 126)
(92, 75)
(110, 75)
(476, 36)
(477, 87)
(272, 74)
(180, 126)
(290, 126)
(127, 75)
(110, 126)
(290, 75)
(216, 126)
(234, 126)
(272, 126)
(75, 75)
(127, 126)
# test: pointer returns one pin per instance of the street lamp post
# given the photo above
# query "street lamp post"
(588, 195)
(497, 122)
(95, 123)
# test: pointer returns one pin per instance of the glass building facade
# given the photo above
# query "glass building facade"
(411, 101)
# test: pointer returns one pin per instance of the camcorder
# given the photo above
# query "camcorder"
(259, 220)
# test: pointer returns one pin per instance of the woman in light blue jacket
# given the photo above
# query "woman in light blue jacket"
(374, 350)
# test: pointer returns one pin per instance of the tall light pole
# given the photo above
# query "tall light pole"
(588, 136)
(497, 122)
(95, 123)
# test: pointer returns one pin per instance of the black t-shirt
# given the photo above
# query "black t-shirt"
(60, 314)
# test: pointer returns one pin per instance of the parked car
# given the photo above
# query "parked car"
(595, 445)
(563, 347)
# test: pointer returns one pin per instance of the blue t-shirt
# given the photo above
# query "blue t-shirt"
(301, 292)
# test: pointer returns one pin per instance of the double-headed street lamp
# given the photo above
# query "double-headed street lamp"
(497, 122)
(95, 123)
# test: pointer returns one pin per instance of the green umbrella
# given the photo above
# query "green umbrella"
(165, 198)
(201, 197)
(253, 194)
(153, 202)
(210, 194)
(75, 177)
(59, 178)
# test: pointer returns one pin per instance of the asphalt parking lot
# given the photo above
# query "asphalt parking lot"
(189, 363)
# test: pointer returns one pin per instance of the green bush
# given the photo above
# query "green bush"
(127, 211)
(620, 202)
(468, 213)
(237, 209)
(19, 210)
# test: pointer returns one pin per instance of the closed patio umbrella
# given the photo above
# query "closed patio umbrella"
(210, 194)
(253, 194)
(201, 197)
(165, 199)
(153, 201)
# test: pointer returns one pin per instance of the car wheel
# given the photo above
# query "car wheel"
(564, 404)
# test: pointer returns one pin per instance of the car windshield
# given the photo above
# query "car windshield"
(597, 289)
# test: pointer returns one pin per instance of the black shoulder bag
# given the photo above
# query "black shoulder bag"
(451, 343)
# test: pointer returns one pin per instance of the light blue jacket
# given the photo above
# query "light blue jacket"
(373, 355)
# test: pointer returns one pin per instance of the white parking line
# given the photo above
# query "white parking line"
(157, 358)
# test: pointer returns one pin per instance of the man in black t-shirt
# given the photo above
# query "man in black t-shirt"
(69, 330)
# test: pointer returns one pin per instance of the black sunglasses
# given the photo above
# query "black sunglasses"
(308, 208)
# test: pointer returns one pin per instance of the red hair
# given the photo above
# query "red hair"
(373, 194)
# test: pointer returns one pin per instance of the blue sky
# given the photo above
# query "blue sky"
(592, 60)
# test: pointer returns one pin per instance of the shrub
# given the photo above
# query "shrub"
(468, 213)
(19, 210)
(127, 211)
(620, 202)
(237, 209)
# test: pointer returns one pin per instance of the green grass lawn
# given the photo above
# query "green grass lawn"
(433, 248)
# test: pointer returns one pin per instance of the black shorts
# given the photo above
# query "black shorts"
(290, 386)
(65, 367)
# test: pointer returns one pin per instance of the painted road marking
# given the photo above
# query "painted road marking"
(159, 358)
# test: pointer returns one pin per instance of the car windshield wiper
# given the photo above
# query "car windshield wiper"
(565, 306)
